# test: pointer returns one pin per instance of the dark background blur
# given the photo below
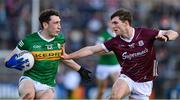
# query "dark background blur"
(82, 23)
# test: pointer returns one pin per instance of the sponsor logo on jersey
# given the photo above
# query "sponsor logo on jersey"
(36, 46)
(47, 55)
(125, 55)
(121, 46)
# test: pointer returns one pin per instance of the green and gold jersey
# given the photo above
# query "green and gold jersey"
(107, 59)
(47, 54)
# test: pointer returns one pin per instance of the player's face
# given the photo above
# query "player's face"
(119, 27)
(54, 26)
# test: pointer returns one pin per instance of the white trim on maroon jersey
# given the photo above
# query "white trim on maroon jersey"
(104, 47)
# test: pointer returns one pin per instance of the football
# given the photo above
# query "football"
(26, 55)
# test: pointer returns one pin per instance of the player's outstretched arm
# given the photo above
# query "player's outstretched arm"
(166, 35)
(86, 51)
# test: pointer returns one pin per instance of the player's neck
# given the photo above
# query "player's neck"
(129, 33)
(46, 34)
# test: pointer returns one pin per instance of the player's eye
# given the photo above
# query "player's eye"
(114, 22)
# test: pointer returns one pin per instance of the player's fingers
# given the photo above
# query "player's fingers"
(25, 61)
(62, 57)
(14, 56)
(164, 38)
(20, 60)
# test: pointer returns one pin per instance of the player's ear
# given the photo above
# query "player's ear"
(45, 25)
(127, 22)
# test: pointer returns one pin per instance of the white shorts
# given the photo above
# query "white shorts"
(103, 71)
(37, 85)
(138, 90)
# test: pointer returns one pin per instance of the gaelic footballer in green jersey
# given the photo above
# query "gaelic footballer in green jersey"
(47, 54)
(47, 46)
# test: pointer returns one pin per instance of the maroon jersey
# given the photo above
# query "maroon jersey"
(136, 57)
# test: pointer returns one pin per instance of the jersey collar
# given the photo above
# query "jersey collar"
(48, 40)
(129, 40)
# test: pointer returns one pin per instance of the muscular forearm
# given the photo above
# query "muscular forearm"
(86, 51)
(104, 53)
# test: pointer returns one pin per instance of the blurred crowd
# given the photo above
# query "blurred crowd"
(82, 23)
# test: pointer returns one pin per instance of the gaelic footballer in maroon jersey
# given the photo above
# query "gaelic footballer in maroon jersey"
(134, 50)
(136, 57)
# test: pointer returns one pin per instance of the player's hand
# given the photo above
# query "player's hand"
(162, 38)
(86, 74)
(15, 63)
(65, 57)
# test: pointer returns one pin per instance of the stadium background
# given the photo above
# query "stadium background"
(82, 22)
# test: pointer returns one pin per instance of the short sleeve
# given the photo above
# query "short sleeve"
(108, 45)
(151, 33)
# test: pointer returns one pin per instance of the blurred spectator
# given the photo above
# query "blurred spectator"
(75, 40)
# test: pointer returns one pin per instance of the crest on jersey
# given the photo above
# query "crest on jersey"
(59, 45)
(141, 43)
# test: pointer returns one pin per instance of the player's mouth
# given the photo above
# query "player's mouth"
(57, 31)
(115, 30)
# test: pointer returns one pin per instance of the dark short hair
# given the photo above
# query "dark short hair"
(46, 14)
(123, 15)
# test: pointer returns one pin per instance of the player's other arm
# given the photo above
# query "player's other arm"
(72, 64)
(86, 51)
(86, 74)
(166, 35)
